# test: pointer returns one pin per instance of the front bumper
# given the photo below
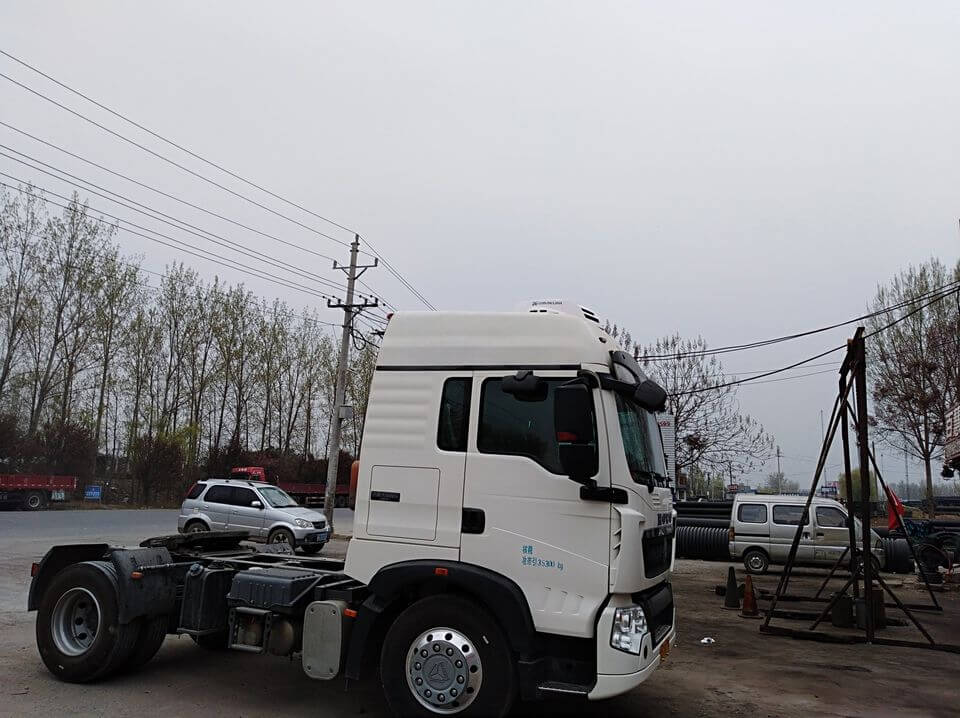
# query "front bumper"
(311, 537)
(619, 671)
(609, 685)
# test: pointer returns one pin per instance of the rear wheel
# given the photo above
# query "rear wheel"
(78, 632)
(153, 631)
(281, 536)
(446, 655)
(195, 527)
(756, 561)
(34, 501)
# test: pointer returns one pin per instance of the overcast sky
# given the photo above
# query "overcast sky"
(736, 170)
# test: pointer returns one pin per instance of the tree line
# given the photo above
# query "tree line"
(104, 374)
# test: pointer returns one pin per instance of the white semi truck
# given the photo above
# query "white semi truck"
(513, 537)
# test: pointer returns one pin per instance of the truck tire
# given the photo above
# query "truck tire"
(152, 633)
(445, 654)
(311, 549)
(34, 501)
(79, 636)
(756, 561)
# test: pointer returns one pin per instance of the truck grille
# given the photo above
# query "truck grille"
(657, 552)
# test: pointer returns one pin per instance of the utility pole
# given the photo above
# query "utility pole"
(779, 473)
(350, 311)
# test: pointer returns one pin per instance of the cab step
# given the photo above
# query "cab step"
(570, 689)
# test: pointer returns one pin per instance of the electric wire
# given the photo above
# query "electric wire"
(199, 157)
(168, 219)
(940, 297)
(196, 252)
(788, 337)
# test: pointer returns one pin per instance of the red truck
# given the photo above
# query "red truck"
(303, 493)
(34, 491)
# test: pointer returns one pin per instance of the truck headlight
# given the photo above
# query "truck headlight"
(629, 628)
(302, 523)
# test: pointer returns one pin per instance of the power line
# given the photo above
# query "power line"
(788, 337)
(199, 157)
(166, 277)
(164, 194)
(214, 257)
(169, 161)
(176, 145)
(401, 278)
(941, 296)
(150, 212)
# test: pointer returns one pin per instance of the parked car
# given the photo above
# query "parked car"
(762, 528)
(268, 513)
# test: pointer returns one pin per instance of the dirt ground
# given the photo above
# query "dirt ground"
(742, 673)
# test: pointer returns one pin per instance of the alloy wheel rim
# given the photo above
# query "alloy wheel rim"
(444, 671)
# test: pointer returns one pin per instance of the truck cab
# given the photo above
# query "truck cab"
(524, 446)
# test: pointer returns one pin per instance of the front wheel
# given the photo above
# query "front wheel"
(446, 655)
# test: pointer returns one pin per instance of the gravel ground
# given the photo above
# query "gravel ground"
(741, 674)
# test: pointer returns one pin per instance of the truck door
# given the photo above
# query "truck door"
(414, 450)
(832, 535)
(783, 527)
(523, 518)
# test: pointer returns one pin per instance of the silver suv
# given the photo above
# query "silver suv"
(265, 511)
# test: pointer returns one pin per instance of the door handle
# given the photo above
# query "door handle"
(473, 521)
(820, 533)
(393, 496)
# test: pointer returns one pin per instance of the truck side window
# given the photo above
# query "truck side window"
(752, 513)
(788, 515)
(454, 415)
(519, 428)
(829, 517)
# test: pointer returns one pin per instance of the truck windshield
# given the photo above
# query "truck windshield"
(642, 446)
(277, 498)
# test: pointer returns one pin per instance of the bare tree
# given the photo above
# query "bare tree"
(712, 432)
(21, 227)
(913, 364)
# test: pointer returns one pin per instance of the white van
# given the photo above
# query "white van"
(762, 528)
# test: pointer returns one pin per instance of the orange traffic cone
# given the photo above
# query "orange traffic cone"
(749, 609)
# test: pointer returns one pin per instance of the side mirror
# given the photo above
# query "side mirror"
(525, 386)
(256, 504)
(650, 395)
(573, 423)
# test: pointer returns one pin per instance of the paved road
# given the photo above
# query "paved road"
(26, 535)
